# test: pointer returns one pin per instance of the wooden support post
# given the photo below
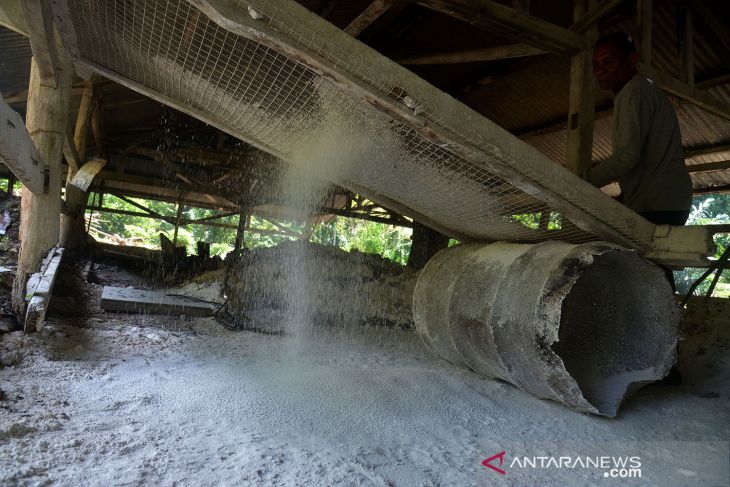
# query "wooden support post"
(83, 119)
(240, 232)
(39, 21)
(40, 214)
(72, 235)
(11, 184)
(180, 209)
(685, 43)
(581, 102)
(97, 126)
(643, 20)
(425, 243)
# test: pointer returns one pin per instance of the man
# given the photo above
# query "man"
(648, 158)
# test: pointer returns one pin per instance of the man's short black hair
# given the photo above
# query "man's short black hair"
(623, 42)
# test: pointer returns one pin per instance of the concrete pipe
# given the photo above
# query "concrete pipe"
(585, 325)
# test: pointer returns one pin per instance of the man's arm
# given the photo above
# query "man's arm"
(627, 141)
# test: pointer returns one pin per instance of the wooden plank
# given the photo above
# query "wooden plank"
(644, 21)
(536, 31)
(132, 300)
(594, 14)
(18, 152)
(40, 295)
(85, 176)
(691, 94)
(39, 21)
(710, 166)
(474, 55)
(581, 102)
(368, 16)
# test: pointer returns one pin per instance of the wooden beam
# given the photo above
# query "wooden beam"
(708, 167)
(724, 189)
(21, 96)
(720, 80)
(97, 126)
(474, 55)
(691, 94)
(40, 294)
(141, 207)
(589, 17)
(39, 21)
(19, 153)
(581, 103)
(533, 30)
(685, 43)
(70, 153)
(368, 16)
(83, 118)
(707, 150)
(644, 21)
(85, 176)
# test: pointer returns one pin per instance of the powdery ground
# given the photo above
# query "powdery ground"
(135, 400)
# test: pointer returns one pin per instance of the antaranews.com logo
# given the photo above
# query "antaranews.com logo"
(610, 467)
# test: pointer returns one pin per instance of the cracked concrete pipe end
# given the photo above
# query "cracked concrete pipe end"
(584, 325)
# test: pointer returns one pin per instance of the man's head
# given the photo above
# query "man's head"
(614, 61)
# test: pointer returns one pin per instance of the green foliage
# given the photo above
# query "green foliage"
(532, 220)
(389, 241)
(708, 210)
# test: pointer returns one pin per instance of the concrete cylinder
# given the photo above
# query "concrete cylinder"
(584, 325)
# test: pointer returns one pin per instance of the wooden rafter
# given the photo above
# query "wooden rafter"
(368, 16)
(594, 14)
(474, 55)
(691, 94)
(530, 29)
(708, 167)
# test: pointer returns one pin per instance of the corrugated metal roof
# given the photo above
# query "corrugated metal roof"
(15, 56)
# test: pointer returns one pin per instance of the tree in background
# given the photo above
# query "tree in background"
(708, 210)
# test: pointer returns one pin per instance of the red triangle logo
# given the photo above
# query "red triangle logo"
(488, 462)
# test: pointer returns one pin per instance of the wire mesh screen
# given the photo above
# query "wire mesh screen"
(280, 105)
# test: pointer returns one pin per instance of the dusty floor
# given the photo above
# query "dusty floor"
(142, 400)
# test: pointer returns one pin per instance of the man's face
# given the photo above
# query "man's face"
(612, 68)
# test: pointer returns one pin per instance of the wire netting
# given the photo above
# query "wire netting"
(282, 106)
